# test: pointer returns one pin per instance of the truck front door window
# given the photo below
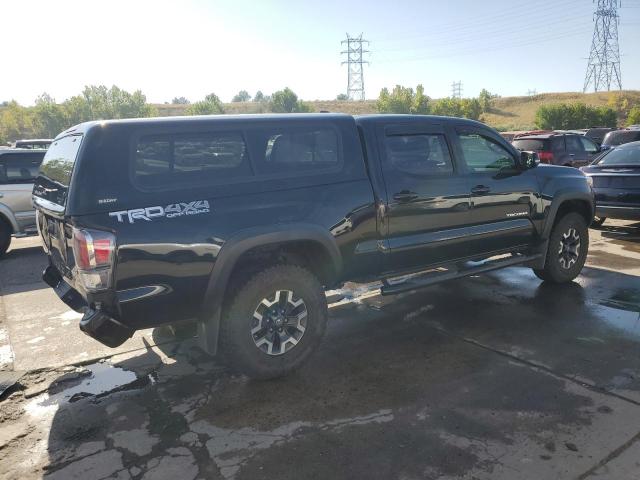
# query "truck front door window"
(482, 154)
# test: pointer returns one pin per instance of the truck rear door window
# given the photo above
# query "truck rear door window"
(297, 150)
(419, 154)
(203, 158)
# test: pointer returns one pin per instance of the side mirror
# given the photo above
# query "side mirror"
(529, 159)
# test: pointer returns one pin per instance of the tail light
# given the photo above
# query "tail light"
(93, 251)
(545, 157)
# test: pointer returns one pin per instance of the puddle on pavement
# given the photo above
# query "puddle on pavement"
(96, 380)
(621, 311)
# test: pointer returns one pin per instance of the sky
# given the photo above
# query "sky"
(194, 47)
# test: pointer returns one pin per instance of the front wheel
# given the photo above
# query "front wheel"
(567, 251)
(274, 322)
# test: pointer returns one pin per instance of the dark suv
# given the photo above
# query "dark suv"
(241, 223)
(570, 150)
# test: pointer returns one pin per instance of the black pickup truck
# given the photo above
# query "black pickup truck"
(241, 223)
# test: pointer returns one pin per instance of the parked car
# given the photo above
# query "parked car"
(18, 170)
(568, 149)
(620, 137)
(34, 143)
(594, 133)
(242, 222)
(616, 182)
(597, 134)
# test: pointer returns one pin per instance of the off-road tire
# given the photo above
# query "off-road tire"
(5, 236)
(237, 344)
(598, 221)
(553, 270)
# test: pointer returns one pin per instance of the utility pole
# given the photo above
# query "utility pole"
(456, 90)
(603, 69)
(355, 61)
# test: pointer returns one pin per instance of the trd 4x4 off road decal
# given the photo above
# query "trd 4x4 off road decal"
(170, 211)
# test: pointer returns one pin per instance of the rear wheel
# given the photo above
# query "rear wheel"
(598, 221)
(567, 251)
(274, 322)
(5, 236)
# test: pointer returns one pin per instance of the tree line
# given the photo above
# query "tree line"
(47, 118)
(405, 100)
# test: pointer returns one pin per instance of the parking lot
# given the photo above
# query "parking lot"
(497, 376)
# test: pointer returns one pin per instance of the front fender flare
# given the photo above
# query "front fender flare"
(558, 199)
(233, 249)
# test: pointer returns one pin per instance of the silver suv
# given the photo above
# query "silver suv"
(18, 169)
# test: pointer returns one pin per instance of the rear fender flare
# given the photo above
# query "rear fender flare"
(230, 253)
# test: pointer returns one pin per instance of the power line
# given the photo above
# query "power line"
(603, 68)
(501, 19)
(355, 63)
(488, 48)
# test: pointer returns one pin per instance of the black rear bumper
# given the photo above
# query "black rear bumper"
(94, 323)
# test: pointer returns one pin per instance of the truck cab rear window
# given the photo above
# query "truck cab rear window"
(166, 160)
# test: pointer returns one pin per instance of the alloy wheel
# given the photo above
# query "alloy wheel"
(569, 250)
(279, 322)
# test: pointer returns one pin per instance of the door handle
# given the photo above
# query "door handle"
(572, 154)
(404, 197)
(480, 190)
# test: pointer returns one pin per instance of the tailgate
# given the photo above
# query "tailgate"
(57, 239)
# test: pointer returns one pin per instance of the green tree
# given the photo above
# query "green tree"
(241, 96)
(342, 97)
(50, 118)
(403, 100)
(259, 96)
(102, 103)
(286, 101)
(16, 122)
(457, 107)
(562, 116)
(180, 101)
(634, 116)
(211, 105)
(486, 100)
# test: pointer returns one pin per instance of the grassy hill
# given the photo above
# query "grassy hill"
(518, 113)
(508, 113)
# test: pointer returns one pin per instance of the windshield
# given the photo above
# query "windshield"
(55, 173)
(622, 156)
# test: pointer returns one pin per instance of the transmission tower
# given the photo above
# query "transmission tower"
(532, 93)
(456, 90)
(355, 61)
(603, 68)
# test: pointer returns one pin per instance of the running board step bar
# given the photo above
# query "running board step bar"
(431, 277)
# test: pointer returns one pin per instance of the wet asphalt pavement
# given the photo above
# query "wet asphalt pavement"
(497, 376)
